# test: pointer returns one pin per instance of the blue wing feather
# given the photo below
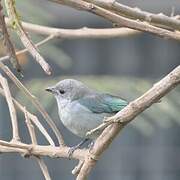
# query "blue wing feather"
(103, 103)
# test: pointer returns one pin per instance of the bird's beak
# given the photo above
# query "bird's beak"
(51, 90)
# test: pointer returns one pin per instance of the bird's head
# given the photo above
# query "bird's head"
(68, 89)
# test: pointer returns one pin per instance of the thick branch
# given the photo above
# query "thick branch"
(50, 151)
(137, 106)
(119, 20)
(159, 20)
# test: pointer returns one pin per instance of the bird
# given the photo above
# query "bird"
(82, 109)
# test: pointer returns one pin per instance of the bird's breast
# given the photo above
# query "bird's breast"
(79, 119)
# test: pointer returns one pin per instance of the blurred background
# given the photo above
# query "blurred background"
(149, 147)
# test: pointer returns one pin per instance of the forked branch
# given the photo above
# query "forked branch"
(120, 20)
(160, 25)
(16, 24)
(112, 128)
(34, 101)
(117, 122)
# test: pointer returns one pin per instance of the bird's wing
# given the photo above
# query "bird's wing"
(103, 103)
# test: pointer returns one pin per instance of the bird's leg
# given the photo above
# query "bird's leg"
(72, 149)
(90, 146)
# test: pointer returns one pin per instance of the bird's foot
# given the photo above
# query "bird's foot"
(106, 119)
(90, 146)
(72, 149)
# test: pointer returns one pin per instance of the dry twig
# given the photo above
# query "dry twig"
(44, 168)
(26, 50)
(35, 102)
(33, 118)
(12, 110)
(159, 20)
(7, 42)
(77, 33)
(40, 161)
(16, 24)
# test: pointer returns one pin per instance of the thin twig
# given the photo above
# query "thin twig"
(26, 50)
(33, 118)
(30, 128)
(77, 33)
(35, 102)
(16, 24)
(40, 161)
(77, 168)
(7, 42)
(44, 168)
(12, 110)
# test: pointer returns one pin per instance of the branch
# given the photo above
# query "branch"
(87, 160)
(40, 161)
(112, 126)
(159, 20)
(77, 33)
(35, 102)
(8, 43)
(33, 118)
(30, 128)
(5, 146)
(47, 151)
(44, 168)
(26, 50)
(126, 115)
(12, 110)
(16, 24)
(119, 20)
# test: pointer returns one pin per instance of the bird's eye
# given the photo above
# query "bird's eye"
(61, 91)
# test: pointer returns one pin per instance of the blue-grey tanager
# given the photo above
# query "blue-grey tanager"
(81, 108)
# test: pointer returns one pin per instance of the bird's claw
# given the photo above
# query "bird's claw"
(71, 151)
(106, 119)
(90, 146)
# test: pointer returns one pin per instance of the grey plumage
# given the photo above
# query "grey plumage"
(81, 108)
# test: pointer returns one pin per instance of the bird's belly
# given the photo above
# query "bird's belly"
(80, 120)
